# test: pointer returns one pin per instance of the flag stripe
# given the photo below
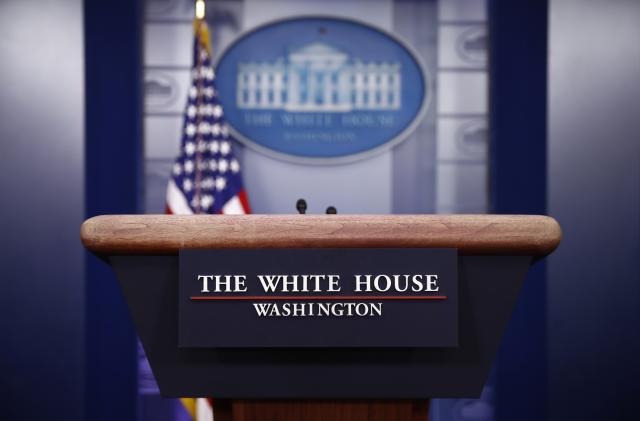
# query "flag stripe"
(245, 201)
(233, 207)
(176, 202)
(204, 411)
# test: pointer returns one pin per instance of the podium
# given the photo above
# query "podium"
(371, 367)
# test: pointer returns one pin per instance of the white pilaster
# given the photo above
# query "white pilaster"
(397, 89)
(384, 87)
(264, 86)
(252, 88)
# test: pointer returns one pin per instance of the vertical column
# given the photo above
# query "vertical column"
(251, 88)
(344, 89)
(328, 88)
(277, 88)
(359, 87)
(377, 95)
(383, 87)
(264, 85)
(311, 88)
(396, 88)
(371, 86)
(293, 88)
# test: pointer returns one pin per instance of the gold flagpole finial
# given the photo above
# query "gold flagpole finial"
(199, 9)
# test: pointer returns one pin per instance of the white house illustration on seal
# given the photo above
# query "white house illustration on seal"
(320, 78)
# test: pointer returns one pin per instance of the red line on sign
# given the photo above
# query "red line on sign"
(322, 297)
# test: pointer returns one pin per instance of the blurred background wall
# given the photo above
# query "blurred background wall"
(594, 192)
(441, 167)
(42, 183)
(51, 367)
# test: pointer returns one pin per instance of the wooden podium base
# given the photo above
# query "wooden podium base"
(320, 410)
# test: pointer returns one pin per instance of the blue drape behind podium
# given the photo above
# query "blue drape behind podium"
(518, 185)
(113, 53)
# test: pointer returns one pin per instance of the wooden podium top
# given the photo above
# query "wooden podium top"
(531, 235)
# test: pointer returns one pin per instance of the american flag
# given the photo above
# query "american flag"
(206, 175)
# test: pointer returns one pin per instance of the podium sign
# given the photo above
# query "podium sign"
(318, 298)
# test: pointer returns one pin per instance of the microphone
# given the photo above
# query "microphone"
(331, 210)
(301, 205)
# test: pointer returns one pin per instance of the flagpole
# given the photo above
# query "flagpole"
(200, 15)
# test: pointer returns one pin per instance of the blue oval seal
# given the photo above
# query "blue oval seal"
(321, 88)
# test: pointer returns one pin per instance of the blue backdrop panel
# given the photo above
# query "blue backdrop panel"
(518, 101)
(113, 139)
